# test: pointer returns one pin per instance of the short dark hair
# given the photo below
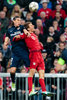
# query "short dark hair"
(26, 26)
(16, 17)
(61, 43)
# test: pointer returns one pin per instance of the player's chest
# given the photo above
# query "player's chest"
(15, 32)
(32, 39)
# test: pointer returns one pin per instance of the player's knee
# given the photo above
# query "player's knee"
(13, 70)
(41, 77)
(41, 74)
(32, 72)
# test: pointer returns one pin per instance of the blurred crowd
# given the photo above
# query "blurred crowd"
(50, 23)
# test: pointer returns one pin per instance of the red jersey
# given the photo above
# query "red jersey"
(32, 42)
(47, 11)
(62, 12)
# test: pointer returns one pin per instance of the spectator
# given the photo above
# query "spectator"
(43, 31)
(62, 61)
(59, 9)
(1, 58)
(6, 57)
(44, 19)
(53, 33)
(60, 2)
(64, 5)
(62, 38)
(14, 15)
(65, 33)
(10, 4)
(29, 18)
(58, 68)
(45, 9)
(4, 22)
(16, 9)
(56, 26)
(50, 49)
(37, 32)
(22, 22)
(44, 54)
(5, 9)
(48, 6)
(63, 51)
(59, 19)
(65, 22)
(52, 71)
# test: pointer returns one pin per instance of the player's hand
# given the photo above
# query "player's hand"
(26, 32)
(17, 36)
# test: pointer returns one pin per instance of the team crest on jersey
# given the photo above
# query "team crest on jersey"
(33, 37)
(34, 63)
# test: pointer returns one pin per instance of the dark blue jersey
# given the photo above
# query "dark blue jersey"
(18, 45)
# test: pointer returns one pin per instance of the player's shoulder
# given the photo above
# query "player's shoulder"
(11, 29)
(21, 26)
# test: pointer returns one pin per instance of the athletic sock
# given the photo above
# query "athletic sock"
(30, 81)
(42, 83)
(13, 77)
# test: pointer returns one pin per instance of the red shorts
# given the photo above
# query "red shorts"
(36, 61)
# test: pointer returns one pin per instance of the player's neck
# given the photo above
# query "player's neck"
(30, 32)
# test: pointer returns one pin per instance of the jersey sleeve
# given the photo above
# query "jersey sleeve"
(21, 37)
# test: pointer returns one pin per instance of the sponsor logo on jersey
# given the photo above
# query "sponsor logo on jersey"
(16, 33)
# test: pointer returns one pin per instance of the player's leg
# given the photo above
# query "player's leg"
(41, 80)
(30, 82)
(13, 70)
(30, 79)
(14, 64)
(42, 83)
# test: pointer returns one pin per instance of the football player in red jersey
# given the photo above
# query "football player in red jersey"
(36, 59)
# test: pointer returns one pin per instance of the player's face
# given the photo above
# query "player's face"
(31, 27)
(17, 22)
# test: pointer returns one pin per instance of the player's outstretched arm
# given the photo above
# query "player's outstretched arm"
(16, 38)
(19, 37)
